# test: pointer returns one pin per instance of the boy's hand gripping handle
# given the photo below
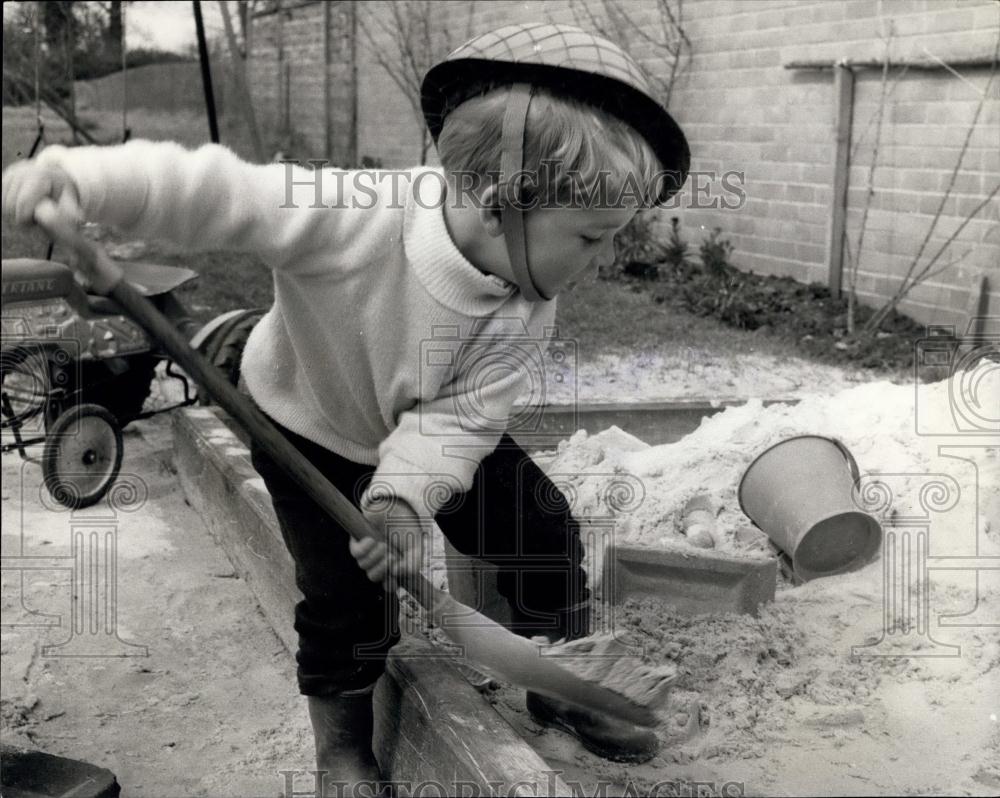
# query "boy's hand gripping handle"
(101, 272)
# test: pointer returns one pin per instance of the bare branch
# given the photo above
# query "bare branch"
(948, 265)
(582, 7)
(910, 280)
(958, 165)
(667, 38)
(871, 120)
(406, 41)
(914, 276)
(855, 265)
(975, 212)
(52, 101)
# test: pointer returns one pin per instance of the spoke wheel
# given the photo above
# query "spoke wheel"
(82, 456)
(24, 373)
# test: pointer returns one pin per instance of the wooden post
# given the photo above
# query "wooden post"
(206, 73)
(68, 47)
(327, 83)
(843, 90)
(248, 37)
(286, 108)
(353, 157)
(239, 75)
(975, 309)
(282, 80)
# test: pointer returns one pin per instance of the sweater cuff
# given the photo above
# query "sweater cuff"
(426, 491)
(109, 191)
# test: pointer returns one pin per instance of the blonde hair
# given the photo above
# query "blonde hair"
(578, 153)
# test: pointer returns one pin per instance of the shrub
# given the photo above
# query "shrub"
(637, 251)
(715, 252)
(675, 254)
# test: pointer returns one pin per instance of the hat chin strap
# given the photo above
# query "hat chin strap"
(511, 164)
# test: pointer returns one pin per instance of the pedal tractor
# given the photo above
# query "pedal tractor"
(76, 370)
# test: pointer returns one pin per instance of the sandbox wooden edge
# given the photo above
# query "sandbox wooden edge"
(431, 725)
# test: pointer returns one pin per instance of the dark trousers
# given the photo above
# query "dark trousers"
(512, 516)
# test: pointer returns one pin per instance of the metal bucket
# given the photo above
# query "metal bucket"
(800, 492)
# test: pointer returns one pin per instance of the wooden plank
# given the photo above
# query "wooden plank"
(431, 724)
(432, 728)
(655, 423)
(975, 308)
(975, 62)
(843, 92)
(223, 487)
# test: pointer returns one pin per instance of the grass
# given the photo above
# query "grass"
(620, 316)
(602, 316)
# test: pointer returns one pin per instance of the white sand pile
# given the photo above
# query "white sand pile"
(645, 488)
(878, 681)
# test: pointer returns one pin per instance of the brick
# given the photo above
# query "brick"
(909, 114)
(800, 193)
(967, 183)
(900, 201)
(986, 16)
(929, 204)
(965, 206)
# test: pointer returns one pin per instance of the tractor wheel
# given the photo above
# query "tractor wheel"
(82, 455)
(224, 348)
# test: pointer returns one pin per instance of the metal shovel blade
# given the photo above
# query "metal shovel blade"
(511, 658)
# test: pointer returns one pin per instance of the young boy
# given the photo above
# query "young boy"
(390, 296)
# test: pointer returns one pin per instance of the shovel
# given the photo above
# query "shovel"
(487, 644)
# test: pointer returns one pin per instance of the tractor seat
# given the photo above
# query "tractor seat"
(150, 279)
(154, 278)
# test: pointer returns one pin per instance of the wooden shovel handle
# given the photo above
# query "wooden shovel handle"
(107, 277)
(486, 642)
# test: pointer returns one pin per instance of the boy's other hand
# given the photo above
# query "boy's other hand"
(26, 184)
(403, 553)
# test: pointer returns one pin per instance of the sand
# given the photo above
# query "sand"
(207, 703)
(865, 682)
(777, 704)
(645, 489)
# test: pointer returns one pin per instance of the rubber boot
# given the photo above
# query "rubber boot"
(600, 734)
(342, 727)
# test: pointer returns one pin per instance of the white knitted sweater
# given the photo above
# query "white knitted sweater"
(384, 343)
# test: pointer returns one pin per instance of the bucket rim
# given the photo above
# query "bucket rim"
(875, 534)
(852, 464)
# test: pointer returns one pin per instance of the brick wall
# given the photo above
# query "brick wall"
(293, 65)
(744, 111)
